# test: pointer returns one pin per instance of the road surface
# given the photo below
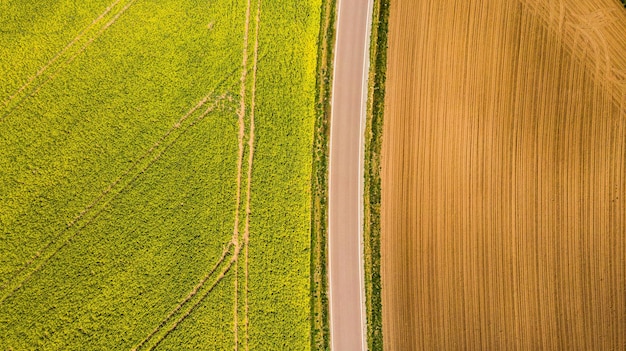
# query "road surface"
(345, 245)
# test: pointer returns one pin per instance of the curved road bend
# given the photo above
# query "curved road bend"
(345, 217)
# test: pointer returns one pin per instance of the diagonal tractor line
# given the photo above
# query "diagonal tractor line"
(61, 52)
(235, 237)
(194, 306)
(37, 81)
(246, 235)
(112, 185)
(188, 298)
(84, 47)
(64, 239)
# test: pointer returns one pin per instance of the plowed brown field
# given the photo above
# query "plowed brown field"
(504, 176)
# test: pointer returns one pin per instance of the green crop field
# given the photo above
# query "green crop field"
(155, 174)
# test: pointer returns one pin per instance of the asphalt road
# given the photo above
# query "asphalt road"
(345, 251)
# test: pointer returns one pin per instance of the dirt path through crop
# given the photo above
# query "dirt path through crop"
(240, 138)
(246, 234)
(504, 176)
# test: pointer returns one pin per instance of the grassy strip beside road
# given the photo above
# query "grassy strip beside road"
(320, 333)
(372, 189)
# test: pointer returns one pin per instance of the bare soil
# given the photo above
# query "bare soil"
(504, 176)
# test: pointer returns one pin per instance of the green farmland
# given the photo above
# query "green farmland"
(155, 174)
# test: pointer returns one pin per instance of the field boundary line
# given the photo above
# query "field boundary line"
(61, 66)
(319, 180)
(246, 235)
(240, 137)
(371, 185)
(189, 296)
(62, 240)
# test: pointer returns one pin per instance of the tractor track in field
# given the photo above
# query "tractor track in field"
(235, 240)
(232, 261)
(111, 186)
(41, 258)
(84, 47)
(240, 139)
(23, 90)
(246, 235)
(189, 296)
(61, 52)
(586, 31)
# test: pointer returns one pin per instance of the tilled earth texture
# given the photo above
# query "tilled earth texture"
(504, 176)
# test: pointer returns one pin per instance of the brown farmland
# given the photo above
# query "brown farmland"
(504, 176)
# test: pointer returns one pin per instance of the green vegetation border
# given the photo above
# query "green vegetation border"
(320, 327)
(372, 189)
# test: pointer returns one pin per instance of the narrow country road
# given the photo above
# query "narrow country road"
(345, 243)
